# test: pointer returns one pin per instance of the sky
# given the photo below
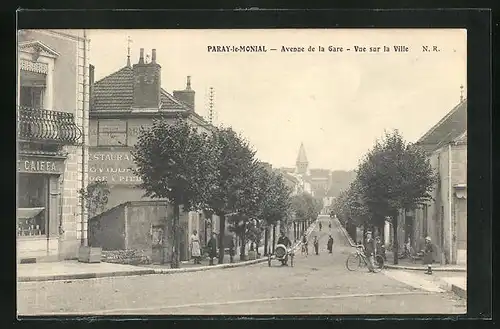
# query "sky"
(336, 103)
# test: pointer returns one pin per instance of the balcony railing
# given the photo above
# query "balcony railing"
(47, 126)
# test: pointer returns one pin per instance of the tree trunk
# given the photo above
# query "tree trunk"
(274, 236)
(294, 232)
(176, 243)
(266, 238)
(242, 248)
(222, 230)
(395, 244)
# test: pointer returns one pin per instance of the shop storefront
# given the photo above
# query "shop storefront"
(38, 207)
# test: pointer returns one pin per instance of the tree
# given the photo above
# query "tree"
(393, 176)
(274, 202)
(231, 192)
(176, 163)
(95, 197)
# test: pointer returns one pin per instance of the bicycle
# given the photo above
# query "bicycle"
(359, 259)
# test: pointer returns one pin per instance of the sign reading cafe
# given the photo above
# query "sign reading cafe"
(40, 165)
(115, 167)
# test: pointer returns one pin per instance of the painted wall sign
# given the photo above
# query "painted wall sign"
(40, 165)
(115, 167)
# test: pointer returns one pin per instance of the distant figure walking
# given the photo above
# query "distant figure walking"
(194, 245)
(316, 245)
(305, 247)
(212, 248)
(330, 225)
(320, 226)
(329, 245)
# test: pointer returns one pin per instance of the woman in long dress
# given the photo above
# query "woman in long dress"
(195, 247)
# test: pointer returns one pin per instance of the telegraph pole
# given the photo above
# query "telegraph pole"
(211, 103)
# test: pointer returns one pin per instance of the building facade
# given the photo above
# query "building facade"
(122, 103)
(444, 220)
(52, 133)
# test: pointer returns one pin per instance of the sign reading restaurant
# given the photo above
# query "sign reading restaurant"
(115, 167)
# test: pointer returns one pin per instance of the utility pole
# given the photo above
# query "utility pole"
(211, 103)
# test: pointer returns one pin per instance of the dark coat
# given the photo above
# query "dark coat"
(232, 248)
(284, 241)
(330, 243)
(428, 254)
(212, 247)
(370, 247)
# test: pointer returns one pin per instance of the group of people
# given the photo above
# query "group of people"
(305, 245)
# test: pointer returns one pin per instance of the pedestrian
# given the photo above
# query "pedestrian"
(194, 246)
(330, 225)
(330, 244)
(320, 226)
(428, 255)
(370, 251)
(232, 248)
(316, 245)
(212, 248)
(305, 246)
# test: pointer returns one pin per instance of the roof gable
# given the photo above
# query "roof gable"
(33, 46)
(115, 92)
(452, 126)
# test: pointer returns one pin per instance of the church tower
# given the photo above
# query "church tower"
(302, 162)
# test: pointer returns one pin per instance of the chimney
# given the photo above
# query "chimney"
(186, 96)
(141, 56)
(153, 56)
(91, 84)
(147, 83)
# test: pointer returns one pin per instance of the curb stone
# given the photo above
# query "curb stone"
(459, 291)
(423, 268)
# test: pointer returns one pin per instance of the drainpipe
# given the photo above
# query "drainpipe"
(450, 252)
(85, 64)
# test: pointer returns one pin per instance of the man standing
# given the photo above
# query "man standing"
(370, 251)
(212, 248)
(329, 245)
(194, 246)
(284, 240)
(316, 245)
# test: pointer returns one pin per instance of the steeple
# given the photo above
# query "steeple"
(302, 162)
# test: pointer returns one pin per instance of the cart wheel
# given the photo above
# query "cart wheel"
(291, 260)
(269, 260)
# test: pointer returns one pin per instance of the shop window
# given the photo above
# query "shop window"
(32, 209)
(112, 132)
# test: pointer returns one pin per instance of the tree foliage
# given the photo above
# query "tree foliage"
(175, 162)
(95, 197)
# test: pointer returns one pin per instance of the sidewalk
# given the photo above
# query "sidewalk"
(72, 270)
(437, 282)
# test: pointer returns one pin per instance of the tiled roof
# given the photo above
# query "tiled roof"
(452, 126)
(116, 92)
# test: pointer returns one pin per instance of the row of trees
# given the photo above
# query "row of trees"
(306, 209)
(215, 172)
(393, 175)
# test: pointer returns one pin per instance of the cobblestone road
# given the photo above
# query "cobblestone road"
(316, 284)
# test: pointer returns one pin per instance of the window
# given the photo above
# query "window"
(32, 89)
(33, 198)
(32, 97)
(111, 132)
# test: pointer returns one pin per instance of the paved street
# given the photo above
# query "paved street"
(315, 285)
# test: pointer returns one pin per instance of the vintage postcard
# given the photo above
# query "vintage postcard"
(220, 172)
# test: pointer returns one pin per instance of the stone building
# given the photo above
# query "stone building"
(445, 219)
(122, 103)
(52, 133)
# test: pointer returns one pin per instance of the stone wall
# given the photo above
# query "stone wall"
(130, 256)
